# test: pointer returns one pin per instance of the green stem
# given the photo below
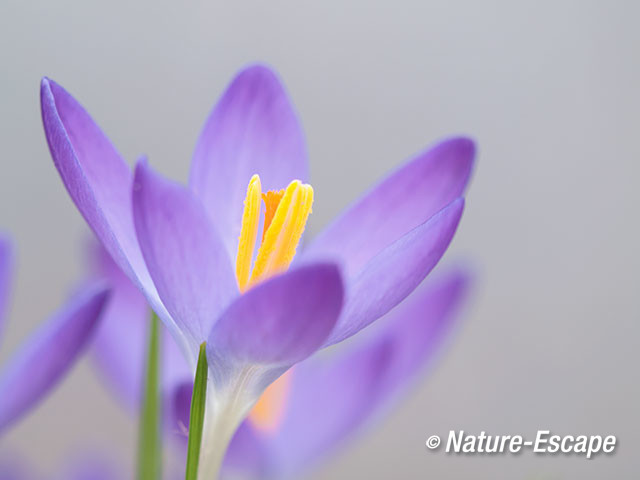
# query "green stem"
(196, 418)
(150, 444)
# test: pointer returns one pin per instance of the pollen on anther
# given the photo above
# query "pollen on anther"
(249, 232)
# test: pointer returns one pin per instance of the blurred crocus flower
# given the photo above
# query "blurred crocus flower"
(179, 244)
(37, 367)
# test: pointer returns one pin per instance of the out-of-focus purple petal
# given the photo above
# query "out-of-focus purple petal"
(48, 354)
(418, 326)
(252, 129)
(398, 204)
(354, 385)
(183, 252)
(396, 271)
(249, 452)
(99, 183)
(91, 466)
(6, 267)
(119, 341)
(178, 405)
(121, 337)
(280, 321)
(343, 391)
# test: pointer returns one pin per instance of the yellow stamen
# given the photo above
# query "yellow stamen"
(285, 217)
(249, 232)
(267, 413)
(284, 232)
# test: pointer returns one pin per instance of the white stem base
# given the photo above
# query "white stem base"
(222, 417)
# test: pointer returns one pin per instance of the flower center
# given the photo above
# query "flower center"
(286, 214)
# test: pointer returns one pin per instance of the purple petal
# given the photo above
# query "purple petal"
(96, 176)
(249, 452)
(120, 340)
(352, 386)
(6, 268)
(346, 388)
(280, 321)
(252, 129)
(184, 254)
(48, 355)
(98, 181)
(90, 465)
(178, 406)
(396, 271)
(398, 204)
(418, 327)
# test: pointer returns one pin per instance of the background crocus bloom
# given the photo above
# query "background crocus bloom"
(48, 354)
(179, 244)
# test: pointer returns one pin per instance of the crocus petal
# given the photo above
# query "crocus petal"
(396, 271)
(401, 202)
(369, 377)
(99, 183)
(178, 406)
(419, 324)
(48, 355)
(345, 388)
(90, 465)
(6, 266)
(278, 322)
(248, 452)
(121, 338)
(253, 129)
(119, 342)
(183, 252)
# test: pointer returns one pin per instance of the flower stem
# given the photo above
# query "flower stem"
(196, 418)
(150, 445)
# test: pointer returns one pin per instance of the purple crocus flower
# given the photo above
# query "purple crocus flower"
(50, 352)
(179, 244)
(313, 411)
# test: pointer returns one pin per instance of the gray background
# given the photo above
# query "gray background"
(550, 91)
